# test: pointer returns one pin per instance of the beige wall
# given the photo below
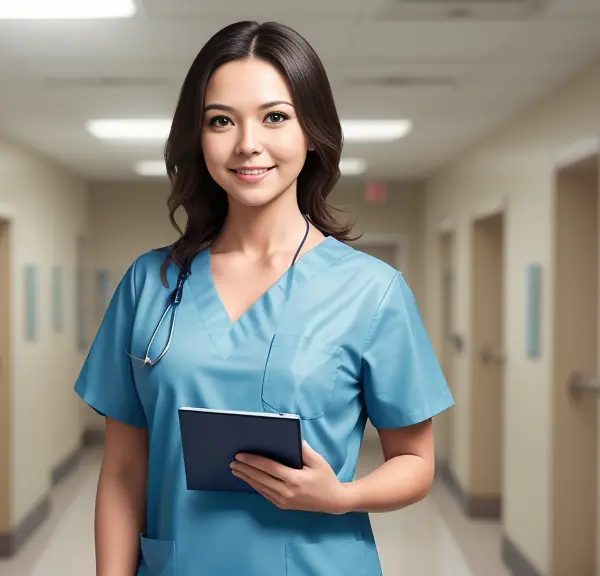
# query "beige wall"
(47, 206)
(129, 219)
(514, 167)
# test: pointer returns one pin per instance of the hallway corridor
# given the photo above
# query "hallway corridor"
(431, 538)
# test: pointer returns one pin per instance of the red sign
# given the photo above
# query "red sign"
(376, 193)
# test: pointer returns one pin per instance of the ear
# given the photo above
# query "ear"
(311, 147)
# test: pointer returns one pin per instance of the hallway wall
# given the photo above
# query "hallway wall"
(514, 168)
(47, 206)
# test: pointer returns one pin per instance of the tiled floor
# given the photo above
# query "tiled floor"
(431, 538)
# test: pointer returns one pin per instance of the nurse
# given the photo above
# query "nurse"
(264, 307)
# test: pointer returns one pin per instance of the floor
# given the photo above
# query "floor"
(432, 538)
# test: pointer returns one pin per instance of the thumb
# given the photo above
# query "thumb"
(310, 456)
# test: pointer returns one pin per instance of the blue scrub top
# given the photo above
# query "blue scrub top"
(338, 339)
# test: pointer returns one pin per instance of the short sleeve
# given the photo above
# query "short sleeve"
(403, 381)
(106, 380)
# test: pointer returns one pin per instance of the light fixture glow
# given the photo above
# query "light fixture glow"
(129, 129)
(158, 129)
(65, 9)
(151, 168)
(352, 166)
(348, 167)
(375, 130)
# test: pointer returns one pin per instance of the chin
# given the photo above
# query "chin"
(257, 195)
(254, 199)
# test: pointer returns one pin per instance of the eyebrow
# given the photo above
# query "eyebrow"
(261, 107)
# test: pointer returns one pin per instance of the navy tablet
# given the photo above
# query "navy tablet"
(211, 439)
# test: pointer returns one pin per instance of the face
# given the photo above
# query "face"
(252, 142)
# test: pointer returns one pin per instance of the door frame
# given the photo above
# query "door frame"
(7, 215)
(569, 155)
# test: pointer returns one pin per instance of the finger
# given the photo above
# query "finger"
(260, 488)
(274, 484)
(267, 465)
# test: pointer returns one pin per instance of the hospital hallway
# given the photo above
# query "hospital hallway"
(431, 538)
(427, 178)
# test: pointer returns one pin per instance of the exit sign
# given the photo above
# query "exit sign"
(376, 193)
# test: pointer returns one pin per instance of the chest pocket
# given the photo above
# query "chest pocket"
(300, 376)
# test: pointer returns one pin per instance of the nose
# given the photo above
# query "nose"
(248, 144)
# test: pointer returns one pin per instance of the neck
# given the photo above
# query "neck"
(263, 231)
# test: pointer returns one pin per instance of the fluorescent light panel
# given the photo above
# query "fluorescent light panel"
(158, 129)
(348, 167)
(375, 130)
(65, 9)
(352, 166)
(151, 168)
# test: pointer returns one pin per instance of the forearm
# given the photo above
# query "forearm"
(398, 483)
(120, 511)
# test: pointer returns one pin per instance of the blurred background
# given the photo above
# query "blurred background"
(471, 163)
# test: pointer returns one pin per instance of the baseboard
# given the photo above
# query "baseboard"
(63, 469)
(480, 507)
(92, 437)
(515, 560)
(11, 542)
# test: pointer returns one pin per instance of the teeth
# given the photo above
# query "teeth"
(250, 172)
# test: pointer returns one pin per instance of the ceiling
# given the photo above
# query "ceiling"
(456, 77)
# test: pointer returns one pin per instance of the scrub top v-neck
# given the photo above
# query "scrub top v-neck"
(338, 339)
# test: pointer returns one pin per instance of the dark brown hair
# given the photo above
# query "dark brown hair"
(192, 187)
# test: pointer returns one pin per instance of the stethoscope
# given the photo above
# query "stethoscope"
(175, 300)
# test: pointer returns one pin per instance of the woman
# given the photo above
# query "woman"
(276, 314)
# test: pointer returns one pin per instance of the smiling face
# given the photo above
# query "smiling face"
(253, 144)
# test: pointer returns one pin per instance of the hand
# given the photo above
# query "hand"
(315, 488)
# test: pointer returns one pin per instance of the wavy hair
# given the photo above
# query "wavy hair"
(192, 187)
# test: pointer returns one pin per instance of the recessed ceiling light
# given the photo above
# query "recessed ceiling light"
(352, 166)
(151, 168)
(375, 130)
(65, 9)
(129, 129)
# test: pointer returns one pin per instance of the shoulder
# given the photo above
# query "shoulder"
(146, 268)
(370, 272)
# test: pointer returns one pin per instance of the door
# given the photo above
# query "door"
(5, 379)
(575, 419)
(444, 422)
(487, 364)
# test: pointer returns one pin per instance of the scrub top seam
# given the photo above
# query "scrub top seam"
(376, 314)
(309, 278)
(134, 269)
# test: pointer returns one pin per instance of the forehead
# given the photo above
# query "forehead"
(246, 84)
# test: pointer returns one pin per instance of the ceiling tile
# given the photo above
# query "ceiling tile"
(148, 41)
(551, 38)
(259, 10)
(426, 41)
(577, 8)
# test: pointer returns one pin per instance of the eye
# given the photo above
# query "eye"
(219, 121)
(277, 117)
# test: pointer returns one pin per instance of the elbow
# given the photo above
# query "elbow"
(425, 481)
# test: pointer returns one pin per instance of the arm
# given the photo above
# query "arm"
(404, 479)
(406, 476)
(121, 499)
